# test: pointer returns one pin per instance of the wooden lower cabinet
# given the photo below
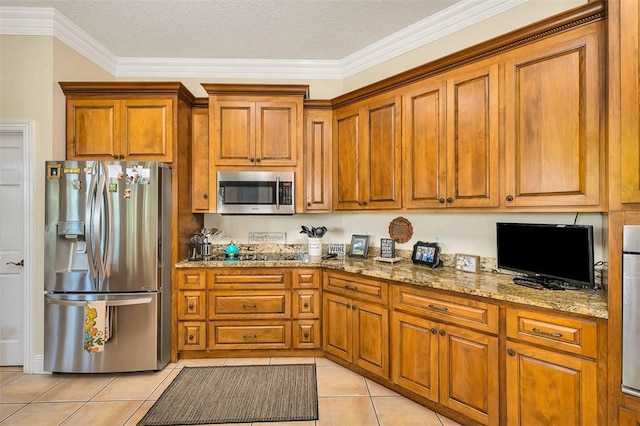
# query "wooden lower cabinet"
(548, 387)
(357, 332)
(551, 369)
(451, 365)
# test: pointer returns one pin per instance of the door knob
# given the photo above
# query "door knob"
(21, 263)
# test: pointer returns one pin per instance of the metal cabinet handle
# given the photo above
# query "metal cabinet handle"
(308, 204)
(441, 200)
(257, 160)
(442, 333)
(353, 307)
(350, 287)
(205, 196)
(511, 352)
(434, 331)
(249, 306)
(191, 337)
(509, 198)
(546, 333)
(449, 200)
(348, 306)
(249, 336)
(438, 308)
(21, 263)
(190, 306)
(252, 159)
(306, 335)
(306, 305)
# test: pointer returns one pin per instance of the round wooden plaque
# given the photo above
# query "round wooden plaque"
(401, 230)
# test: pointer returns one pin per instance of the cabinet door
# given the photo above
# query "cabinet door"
(472, 137)
(147, 129)
(380, 155)
(371, 337)
(630, 102)
(276, 133)
(202, 175)
(92, 129)
(552, 122)
(415, 350)
(469, 373)
(232, 132)
(317, 161)
(424, 148)
(346, 159)
(192, 335)
(546, 387)
(306, 334)
(337, 326)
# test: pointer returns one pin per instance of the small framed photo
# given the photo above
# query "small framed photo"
(387, 248)
(426, 254)
(468, 263)
(359, 246)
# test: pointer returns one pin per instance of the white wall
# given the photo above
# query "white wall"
(469, 233)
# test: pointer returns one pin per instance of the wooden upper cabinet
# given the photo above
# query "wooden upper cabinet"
(122, 121)
(424, 145)
(201, 194)
(630, 102)
(317, 160)
(450, 140)
(367, 155)
(553, 97)
(255, 125)
(472, 137)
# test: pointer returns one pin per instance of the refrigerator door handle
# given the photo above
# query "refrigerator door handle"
(110, 303)
(108, 226)
(89, 228)
(99, 222)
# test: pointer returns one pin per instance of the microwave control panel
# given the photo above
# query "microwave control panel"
(286, 193)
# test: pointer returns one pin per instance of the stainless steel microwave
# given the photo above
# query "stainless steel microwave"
(255, 192)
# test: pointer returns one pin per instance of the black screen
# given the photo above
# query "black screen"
(562, 252)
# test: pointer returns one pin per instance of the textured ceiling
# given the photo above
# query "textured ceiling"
(240, 29)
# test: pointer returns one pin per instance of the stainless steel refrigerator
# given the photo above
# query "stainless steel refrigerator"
(107, 243)
(631, 309)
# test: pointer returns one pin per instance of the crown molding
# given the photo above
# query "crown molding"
(49, 22)
(46, 21)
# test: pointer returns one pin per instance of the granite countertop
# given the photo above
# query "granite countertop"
(491, 285)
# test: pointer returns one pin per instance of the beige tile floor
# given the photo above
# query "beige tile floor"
(344, 398)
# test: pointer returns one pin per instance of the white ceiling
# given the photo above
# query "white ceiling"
(292, 38)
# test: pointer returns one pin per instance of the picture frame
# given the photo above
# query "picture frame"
(467, 263)
(425, 253)
(359, 246)
(387, 248)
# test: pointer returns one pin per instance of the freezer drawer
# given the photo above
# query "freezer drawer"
(139, 340)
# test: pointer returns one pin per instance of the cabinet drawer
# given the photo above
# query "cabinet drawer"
(567, 334)
(192, 280)
(469, 313)
(306, 304)
(306, 334)
(251, 278)
(359, 288)
(192, 305)
(265, 304)
(192, 335)
(249, 335)
(306, 278)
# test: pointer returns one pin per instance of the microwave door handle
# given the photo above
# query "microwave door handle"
(278, 193)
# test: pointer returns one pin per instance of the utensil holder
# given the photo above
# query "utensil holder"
(315, 246)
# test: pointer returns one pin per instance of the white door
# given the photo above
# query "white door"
(12, 228)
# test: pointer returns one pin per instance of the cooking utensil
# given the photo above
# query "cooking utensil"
(321, 231)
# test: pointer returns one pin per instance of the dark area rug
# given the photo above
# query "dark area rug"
(237, 394)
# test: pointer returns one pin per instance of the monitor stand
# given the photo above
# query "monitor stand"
(537, 283)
